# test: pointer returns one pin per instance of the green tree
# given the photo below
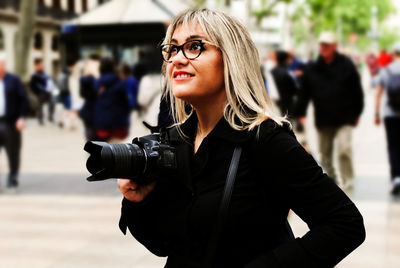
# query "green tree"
(267, 9)
(346, 16)
(388, 37)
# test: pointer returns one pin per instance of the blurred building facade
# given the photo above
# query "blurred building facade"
(46, 39)
(129, 31)
(273, 30)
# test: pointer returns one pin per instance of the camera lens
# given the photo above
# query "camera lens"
(114, 160)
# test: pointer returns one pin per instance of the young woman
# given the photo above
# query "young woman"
(212, 64)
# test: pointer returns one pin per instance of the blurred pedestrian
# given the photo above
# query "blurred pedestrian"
(149, 97)
(389, 82)
(373, 67)
(91, 72)
(39, 86)
(269, 82)
(296, 67)
(285, 83)
(13, 108)
(111, 111)
(333, 84)
(65, 95)
(131, 85)
(372, 63)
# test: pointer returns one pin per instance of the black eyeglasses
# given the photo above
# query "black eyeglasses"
(190, 49)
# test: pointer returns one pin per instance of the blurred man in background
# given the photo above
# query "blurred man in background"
(333, 84)
(389, 82)
(13, 108)
(285, 83)
(38, 86)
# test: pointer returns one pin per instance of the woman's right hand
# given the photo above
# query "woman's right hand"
(134, 192)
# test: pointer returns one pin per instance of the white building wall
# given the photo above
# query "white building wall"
(64, 4)
(78, 6)
(239, 10)
(48, 3)
(9, 31)
(92, 4)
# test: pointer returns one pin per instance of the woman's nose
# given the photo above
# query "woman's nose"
(179, 58)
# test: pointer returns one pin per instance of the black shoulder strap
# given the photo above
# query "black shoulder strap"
(223, 210)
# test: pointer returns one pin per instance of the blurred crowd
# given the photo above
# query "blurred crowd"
(100, 93)
(332, 83)
(103, 94)
(96, 91)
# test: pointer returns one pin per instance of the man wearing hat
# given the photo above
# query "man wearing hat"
(389, 83)
(333, 84)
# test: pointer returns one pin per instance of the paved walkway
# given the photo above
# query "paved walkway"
(57, 219)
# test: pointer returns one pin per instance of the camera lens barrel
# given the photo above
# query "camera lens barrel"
(128, 160)
(114, 160)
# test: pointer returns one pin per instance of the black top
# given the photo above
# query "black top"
(275, 174)
(88, 92)
(38, 82)
(335, 90)
(111, 108)
(287, 88)
(17, 103)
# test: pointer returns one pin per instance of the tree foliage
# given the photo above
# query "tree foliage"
(267, 9)
(352, 16)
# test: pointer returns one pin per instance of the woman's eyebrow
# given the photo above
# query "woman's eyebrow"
(189, 38)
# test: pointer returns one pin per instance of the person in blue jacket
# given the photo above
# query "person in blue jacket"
(131, 85)
(111, 110)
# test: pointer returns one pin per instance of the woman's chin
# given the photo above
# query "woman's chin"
(183, 94)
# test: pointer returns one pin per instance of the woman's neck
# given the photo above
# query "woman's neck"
(208, 116)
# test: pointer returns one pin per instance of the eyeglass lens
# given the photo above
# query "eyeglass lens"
(191, 50)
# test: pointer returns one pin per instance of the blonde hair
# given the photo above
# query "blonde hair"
(248, 104)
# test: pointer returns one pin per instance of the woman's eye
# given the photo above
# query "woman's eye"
(173, 50)
(195, 46)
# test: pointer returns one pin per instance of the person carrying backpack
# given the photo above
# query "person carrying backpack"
(389, 83)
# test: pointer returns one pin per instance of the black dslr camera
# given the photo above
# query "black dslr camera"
(142, 161)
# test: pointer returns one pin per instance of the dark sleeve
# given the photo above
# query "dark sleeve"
(284, 81)
(38, 83)
(304, 96)
(290, 84)
(32, 84)
(165, 118)
(135, 90)
(336, 225)
(356, 89)
(22, 98)
(86, 88)
(145, 220)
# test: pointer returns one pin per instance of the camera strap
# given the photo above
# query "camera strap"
(223, 210)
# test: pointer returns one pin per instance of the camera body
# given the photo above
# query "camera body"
(143, 161)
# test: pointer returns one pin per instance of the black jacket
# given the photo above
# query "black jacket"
(17, 103)
(88, 92)
(287, 89)
(335, 90)
(38, 82)
(275, 174)
(111, 109)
